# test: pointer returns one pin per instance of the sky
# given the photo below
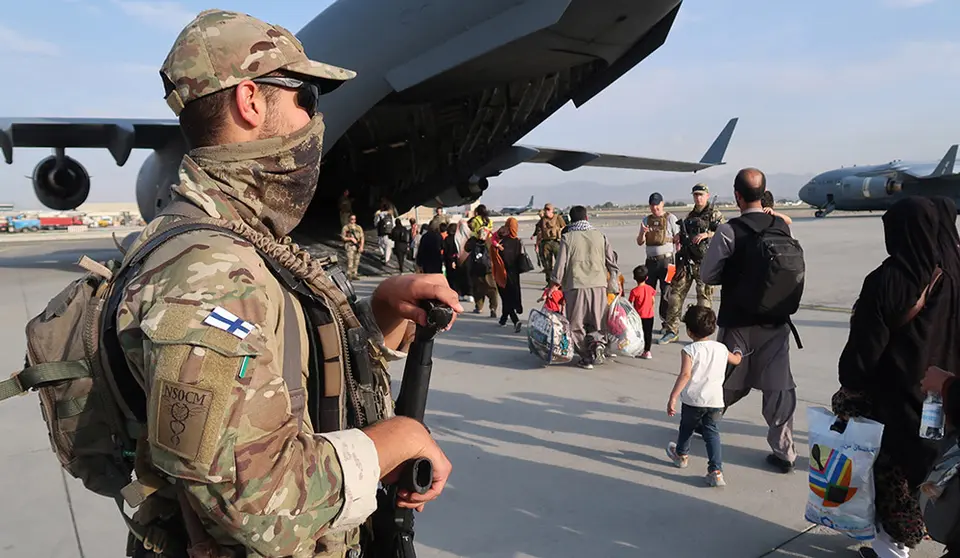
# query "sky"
(816, 85)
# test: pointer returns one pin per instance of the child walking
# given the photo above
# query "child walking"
(703, 368)
(642, 299)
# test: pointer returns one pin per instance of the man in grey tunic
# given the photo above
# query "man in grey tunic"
(586, 270)
(765, 343)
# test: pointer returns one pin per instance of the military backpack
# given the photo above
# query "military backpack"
(93, 409)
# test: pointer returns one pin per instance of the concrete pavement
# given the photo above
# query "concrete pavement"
(548, 461)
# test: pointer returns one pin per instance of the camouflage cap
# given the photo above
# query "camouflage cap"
(700, 187)
(219, 49)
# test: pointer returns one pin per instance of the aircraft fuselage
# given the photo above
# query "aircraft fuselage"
(873, 187)
(444, 86)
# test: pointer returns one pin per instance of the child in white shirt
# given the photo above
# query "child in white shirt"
(699, 386)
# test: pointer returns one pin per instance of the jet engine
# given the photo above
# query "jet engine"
(463, 194)
(894, 186)
(61, 182)
(871, 186)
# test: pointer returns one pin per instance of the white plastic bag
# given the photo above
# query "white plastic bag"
(841, 494)
(624, 325)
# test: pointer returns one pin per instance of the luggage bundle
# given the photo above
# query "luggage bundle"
(548, 336)
(624, 327)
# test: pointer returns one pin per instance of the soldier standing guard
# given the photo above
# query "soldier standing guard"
(695, 234)
(353, 239)
(227, 330)
(551, 225)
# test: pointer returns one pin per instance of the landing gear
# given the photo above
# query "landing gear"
(821, 213)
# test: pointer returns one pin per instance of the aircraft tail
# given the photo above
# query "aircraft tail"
(946, 164)
(714, 155)
(530, 203)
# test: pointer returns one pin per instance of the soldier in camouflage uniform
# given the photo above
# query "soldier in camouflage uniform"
(695, 232)
(206, 328)
(353, 239)
(551, 225)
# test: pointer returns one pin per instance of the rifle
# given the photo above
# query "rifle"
(393, 526)
(683, 260)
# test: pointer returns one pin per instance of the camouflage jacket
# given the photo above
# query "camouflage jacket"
(351, 231)
(219, 414)
(550, 229)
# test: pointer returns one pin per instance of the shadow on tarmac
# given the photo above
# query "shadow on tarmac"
(488, 509)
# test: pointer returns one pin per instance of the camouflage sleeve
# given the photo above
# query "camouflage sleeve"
(219, 413)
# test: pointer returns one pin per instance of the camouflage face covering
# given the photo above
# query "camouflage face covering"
(274, 179)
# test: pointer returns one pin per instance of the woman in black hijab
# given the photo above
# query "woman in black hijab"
(938, 380)
(887, 354)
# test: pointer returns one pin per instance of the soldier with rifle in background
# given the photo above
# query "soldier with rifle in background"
(696, 230)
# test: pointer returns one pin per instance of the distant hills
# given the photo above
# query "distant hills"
(675, 187)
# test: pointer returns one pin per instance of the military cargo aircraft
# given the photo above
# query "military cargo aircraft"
(443, 91)
(877, 187)
(517, 209)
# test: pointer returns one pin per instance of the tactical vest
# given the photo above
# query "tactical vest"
(551, 228)
(696, 222)
(656, 234)
(338, 349)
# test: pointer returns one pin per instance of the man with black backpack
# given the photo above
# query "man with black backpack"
(760, 269)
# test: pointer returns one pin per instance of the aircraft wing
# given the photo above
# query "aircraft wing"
(118, 135)
(568, 160)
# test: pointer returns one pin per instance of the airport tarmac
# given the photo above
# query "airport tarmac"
(547, 461)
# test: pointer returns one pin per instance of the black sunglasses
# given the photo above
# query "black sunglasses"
(308, 94)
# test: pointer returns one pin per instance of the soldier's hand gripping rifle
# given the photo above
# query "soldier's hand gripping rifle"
(683, 257)
(393, 525)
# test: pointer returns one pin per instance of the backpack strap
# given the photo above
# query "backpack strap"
(292, 371)
(922, 301)
(40, 375)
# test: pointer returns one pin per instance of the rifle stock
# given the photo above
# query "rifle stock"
(392, 525)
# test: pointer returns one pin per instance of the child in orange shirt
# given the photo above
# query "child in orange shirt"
(642, 299)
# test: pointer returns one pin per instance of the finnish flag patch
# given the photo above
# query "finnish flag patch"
(220, 318)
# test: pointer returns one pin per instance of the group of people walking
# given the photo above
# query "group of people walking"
(901, 346)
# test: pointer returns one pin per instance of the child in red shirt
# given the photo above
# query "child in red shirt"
(642, 299)
(554, 301)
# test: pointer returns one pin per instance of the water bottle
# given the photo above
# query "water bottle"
(932, 419)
